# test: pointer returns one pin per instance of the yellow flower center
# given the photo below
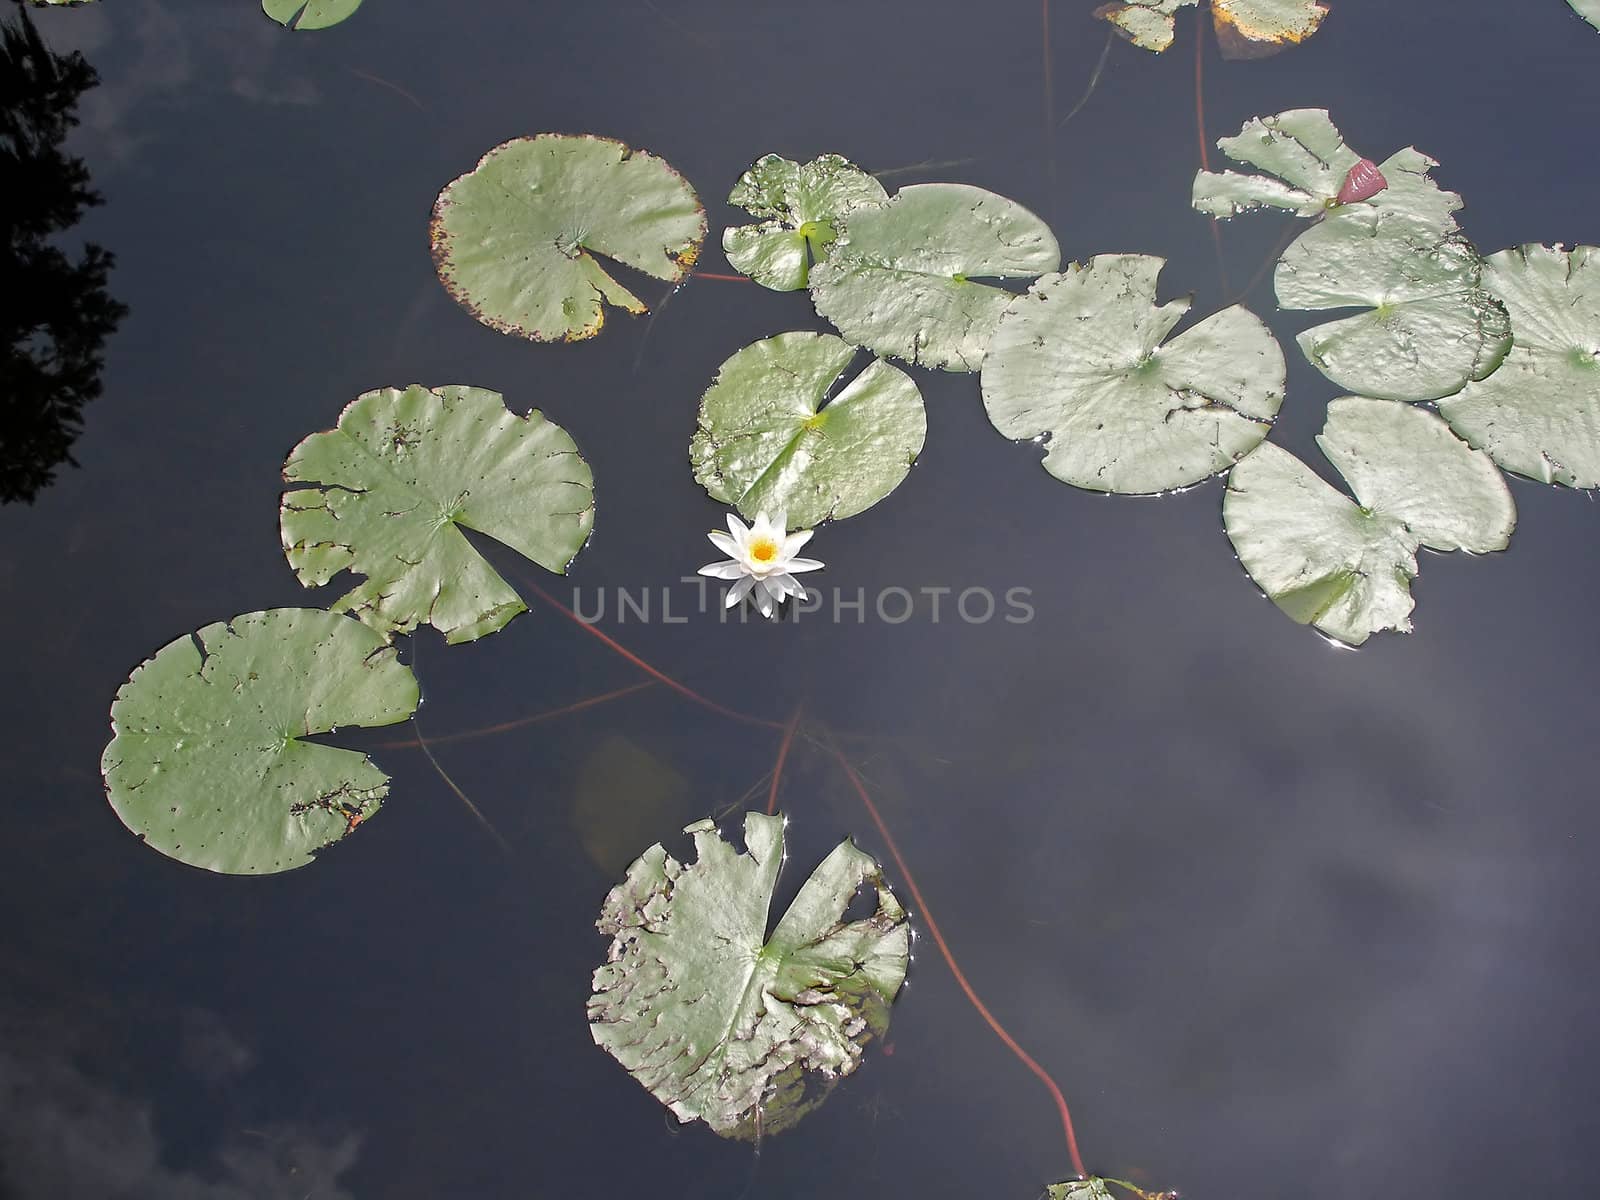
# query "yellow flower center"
(763, 550)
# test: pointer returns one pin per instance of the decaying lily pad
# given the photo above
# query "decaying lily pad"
(1079, 1189)
(389, 490)
(721, 1022)
(901, 278)
(1431, 326)
(206, 762)
(1347, 567)
(1539, 414)
(1080, 358)
(800, 207)
(515, 238)
(309, 14)
(1245, 28)
(770, 440)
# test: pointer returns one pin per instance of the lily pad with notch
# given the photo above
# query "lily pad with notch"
(515, 238)
(388, 492)
(1539, 414)
(902, 278)
(309, 14)
(770, 439)
(1346, 567)
(1431, 327)
(799, 206)
(1080, 358)
(207, 762)
(722, 1022)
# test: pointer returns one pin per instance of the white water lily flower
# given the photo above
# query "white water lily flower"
(761, 560)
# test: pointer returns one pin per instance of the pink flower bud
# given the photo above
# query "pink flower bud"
(1362, 183)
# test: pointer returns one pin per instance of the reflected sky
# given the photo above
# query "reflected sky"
(1282, 919)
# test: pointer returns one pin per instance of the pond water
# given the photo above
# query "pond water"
(1281, 919)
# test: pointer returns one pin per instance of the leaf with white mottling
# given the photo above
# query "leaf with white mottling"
(723, 1023)
(800, 206)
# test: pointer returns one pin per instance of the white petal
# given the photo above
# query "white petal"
(724, 543)
(802, 564)
(792, 543)
(764, 602)
(740, 531)
(739, 591)
(786, 584)
(723, 570)
(780, 522)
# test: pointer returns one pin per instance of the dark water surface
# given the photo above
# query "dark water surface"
(1283, 920)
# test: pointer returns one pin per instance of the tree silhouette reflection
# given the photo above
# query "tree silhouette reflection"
(55, 311)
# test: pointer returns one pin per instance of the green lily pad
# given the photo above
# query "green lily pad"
(206, 762)
(766, 441)
(900, 279)
(1245, 28)
(1589, 10)
(1080, 358)
(1347, 568)
(1539, 414)
(721, 1022)
(309, 14)
(514, 239)
(1432, 327)
(1079, 1189)
(390, 489)
(800, 207)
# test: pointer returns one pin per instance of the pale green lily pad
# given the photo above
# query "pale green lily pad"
(1080, 358)
(1347, 568)
(1432, 327)
(1539, 414)
(1079, 1189)
(767, 442)
(309, 14)
(800, 207)
(1589, 10)
(1245, 28)
(392, 487)
(900, 279)
(1148, 24)
(721, 1022)
(206, 762)
(514, 239)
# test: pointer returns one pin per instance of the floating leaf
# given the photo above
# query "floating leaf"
(1148, 24)
(1245, 28)
(1589, 10)
(1432, 327)
(1347, 568)
(206, 761)
(1539, 414)
(722, 1023)
(800, 207)
(1080, 358)
(767, 443)
(309, 14)
(1079, 1189)
(514, 239)
(900, 278)
(391, 488)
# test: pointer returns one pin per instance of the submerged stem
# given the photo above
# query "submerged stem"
(548, 714)
(783, 753)
(950, 960)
